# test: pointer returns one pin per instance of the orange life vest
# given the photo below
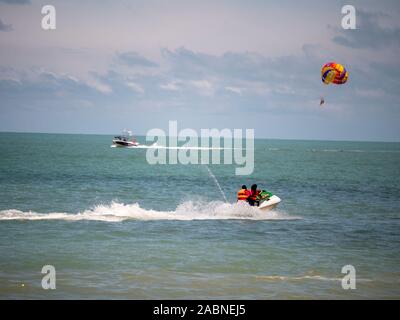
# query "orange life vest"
(243, 194)
(254, 195)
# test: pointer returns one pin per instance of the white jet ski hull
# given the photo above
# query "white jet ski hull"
(270, 204)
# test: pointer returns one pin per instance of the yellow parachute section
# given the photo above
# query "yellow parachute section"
(333, 72)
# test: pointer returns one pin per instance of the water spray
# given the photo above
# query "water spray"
(217, 183)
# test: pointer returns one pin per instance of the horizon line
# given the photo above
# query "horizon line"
(259, 138)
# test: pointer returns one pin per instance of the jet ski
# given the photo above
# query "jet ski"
(269, 204)
(125, 140)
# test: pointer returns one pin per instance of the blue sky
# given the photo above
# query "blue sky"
(111, 65)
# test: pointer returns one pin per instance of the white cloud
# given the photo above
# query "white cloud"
(203, 87)
(201, 84)
(171, 86)
(98, 86)
(135, 87)
(234, 90)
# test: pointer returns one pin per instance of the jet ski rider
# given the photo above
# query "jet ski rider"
(254, 196)
(243, 194)
(253, 199)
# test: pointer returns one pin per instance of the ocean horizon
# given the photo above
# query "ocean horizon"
(142, 135)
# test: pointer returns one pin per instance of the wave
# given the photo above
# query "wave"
(336, 150)
(354, 150)
(116, 212)
(304, 277)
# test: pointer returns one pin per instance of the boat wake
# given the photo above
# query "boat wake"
(116, 212)
(156, 146)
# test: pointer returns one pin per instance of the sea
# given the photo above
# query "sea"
(114, 226)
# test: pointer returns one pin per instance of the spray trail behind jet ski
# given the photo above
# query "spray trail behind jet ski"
(217, 183)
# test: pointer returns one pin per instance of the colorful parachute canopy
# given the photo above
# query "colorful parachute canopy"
(333, 72)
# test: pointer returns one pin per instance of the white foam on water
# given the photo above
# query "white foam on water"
(304, 277)
(156, 146)
(294, 278)
(116, 212)
(216, 182)
(353, 150)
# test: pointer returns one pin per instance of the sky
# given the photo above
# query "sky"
(251, 64)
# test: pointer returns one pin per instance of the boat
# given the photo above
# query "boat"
(269, 204)
(125, 140)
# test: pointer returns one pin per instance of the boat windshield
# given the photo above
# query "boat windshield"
(125, 136)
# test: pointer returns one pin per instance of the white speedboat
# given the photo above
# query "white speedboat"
(125, 140)
(269, 204)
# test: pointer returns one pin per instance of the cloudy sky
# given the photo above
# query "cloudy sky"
(256, 64)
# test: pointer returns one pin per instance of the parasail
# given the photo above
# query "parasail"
(333, 72)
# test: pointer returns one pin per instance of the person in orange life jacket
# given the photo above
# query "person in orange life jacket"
(243, 194)
(253, 196)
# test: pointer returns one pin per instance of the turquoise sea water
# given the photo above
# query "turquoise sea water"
(116, 227)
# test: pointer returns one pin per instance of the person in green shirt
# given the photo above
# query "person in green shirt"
(264, 196)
